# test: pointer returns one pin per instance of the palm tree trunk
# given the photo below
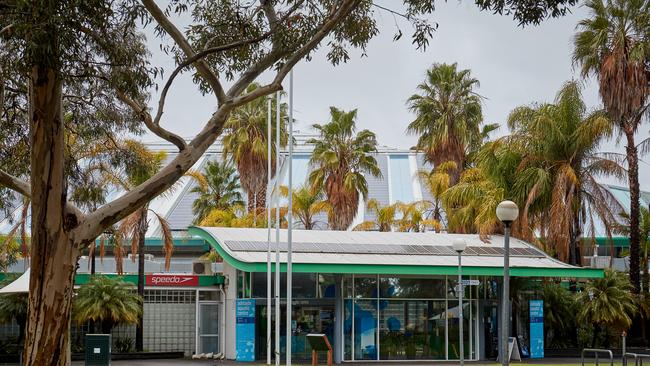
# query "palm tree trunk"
(92, 261)
(635, 240)
(54, 254)
(142, 232)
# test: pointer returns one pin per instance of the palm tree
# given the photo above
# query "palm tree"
(218, 188)
(109, 301)
(613, 44)
(413, 217)
(607, 303)
(142, 165)
(557, 178)
(340, 158)
(559, 316)
(239, 216)
(244, 143)
(448, 116)
(385, 218)
(307, 204)
(437, 181)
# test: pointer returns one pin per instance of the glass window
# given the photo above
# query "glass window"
(243, 284)
(347, 286)
(454, 329)
(365, 329)
(401, 183)
(452, 288)
(347, 329)
(412, 329)
(326, 285)
(412, 288)
(303, 285)
(365, 287)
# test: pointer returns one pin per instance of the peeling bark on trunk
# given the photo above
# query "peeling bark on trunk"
(54, 253)
(635, 239)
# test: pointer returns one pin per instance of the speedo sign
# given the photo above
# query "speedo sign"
(172, 280)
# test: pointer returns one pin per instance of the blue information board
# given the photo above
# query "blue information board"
(245, 312)
(536, 329)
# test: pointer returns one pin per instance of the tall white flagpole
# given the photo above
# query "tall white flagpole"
(277, 228)
(289, 225)
(269, 122)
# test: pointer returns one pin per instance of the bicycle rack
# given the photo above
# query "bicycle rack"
(596, 352)
(638, 358)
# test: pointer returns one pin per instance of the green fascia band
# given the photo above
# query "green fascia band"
(397, 269)
(84, 278)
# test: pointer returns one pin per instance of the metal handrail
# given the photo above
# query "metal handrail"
(597, 351)
(638, 358)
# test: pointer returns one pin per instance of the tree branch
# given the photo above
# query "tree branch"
(195, 58)
(121, 207)
(15, 184)
(141, 111)
(329, 24)
(201, 66)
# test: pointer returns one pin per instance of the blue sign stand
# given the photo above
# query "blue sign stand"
(245, 329)
(536, 329)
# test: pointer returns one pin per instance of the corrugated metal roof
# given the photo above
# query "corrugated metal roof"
(379, 241)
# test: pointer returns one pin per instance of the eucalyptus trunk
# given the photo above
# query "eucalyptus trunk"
(142, 232)
(635, 238)
(54, 253)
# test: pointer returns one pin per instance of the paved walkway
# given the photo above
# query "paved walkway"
(184, 362)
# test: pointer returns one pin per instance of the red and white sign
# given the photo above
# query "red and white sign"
(172, 280)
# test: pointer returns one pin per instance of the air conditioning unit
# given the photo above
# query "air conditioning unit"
(202, 267)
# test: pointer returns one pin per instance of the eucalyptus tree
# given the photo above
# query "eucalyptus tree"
(218, 188)
(245, 144)
(614, 45)
(88, 61)
(448, 116)
(340, 158)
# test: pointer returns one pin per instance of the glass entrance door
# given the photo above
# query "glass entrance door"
(208, 328)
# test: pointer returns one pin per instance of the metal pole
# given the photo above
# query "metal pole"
(277, 229)
(269, 122)
(460, 310)
(505, 307)
(289, 224)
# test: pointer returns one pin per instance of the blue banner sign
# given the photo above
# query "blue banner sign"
(245, 313)
(536, 329)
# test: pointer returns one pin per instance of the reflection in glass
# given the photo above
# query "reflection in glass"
(365, 287)
(303, 285)
(412, 288)
(347, 329)
(365, 330)
(412, 330)
(326, 285)
(454, 330)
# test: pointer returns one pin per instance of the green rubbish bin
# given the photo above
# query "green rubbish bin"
(98, 349)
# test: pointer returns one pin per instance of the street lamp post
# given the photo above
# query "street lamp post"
(269, 121)
(507, 212)
(459, 246)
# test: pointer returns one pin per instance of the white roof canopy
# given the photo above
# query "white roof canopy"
(20, 285)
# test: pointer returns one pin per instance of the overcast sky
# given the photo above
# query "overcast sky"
(514, 65)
